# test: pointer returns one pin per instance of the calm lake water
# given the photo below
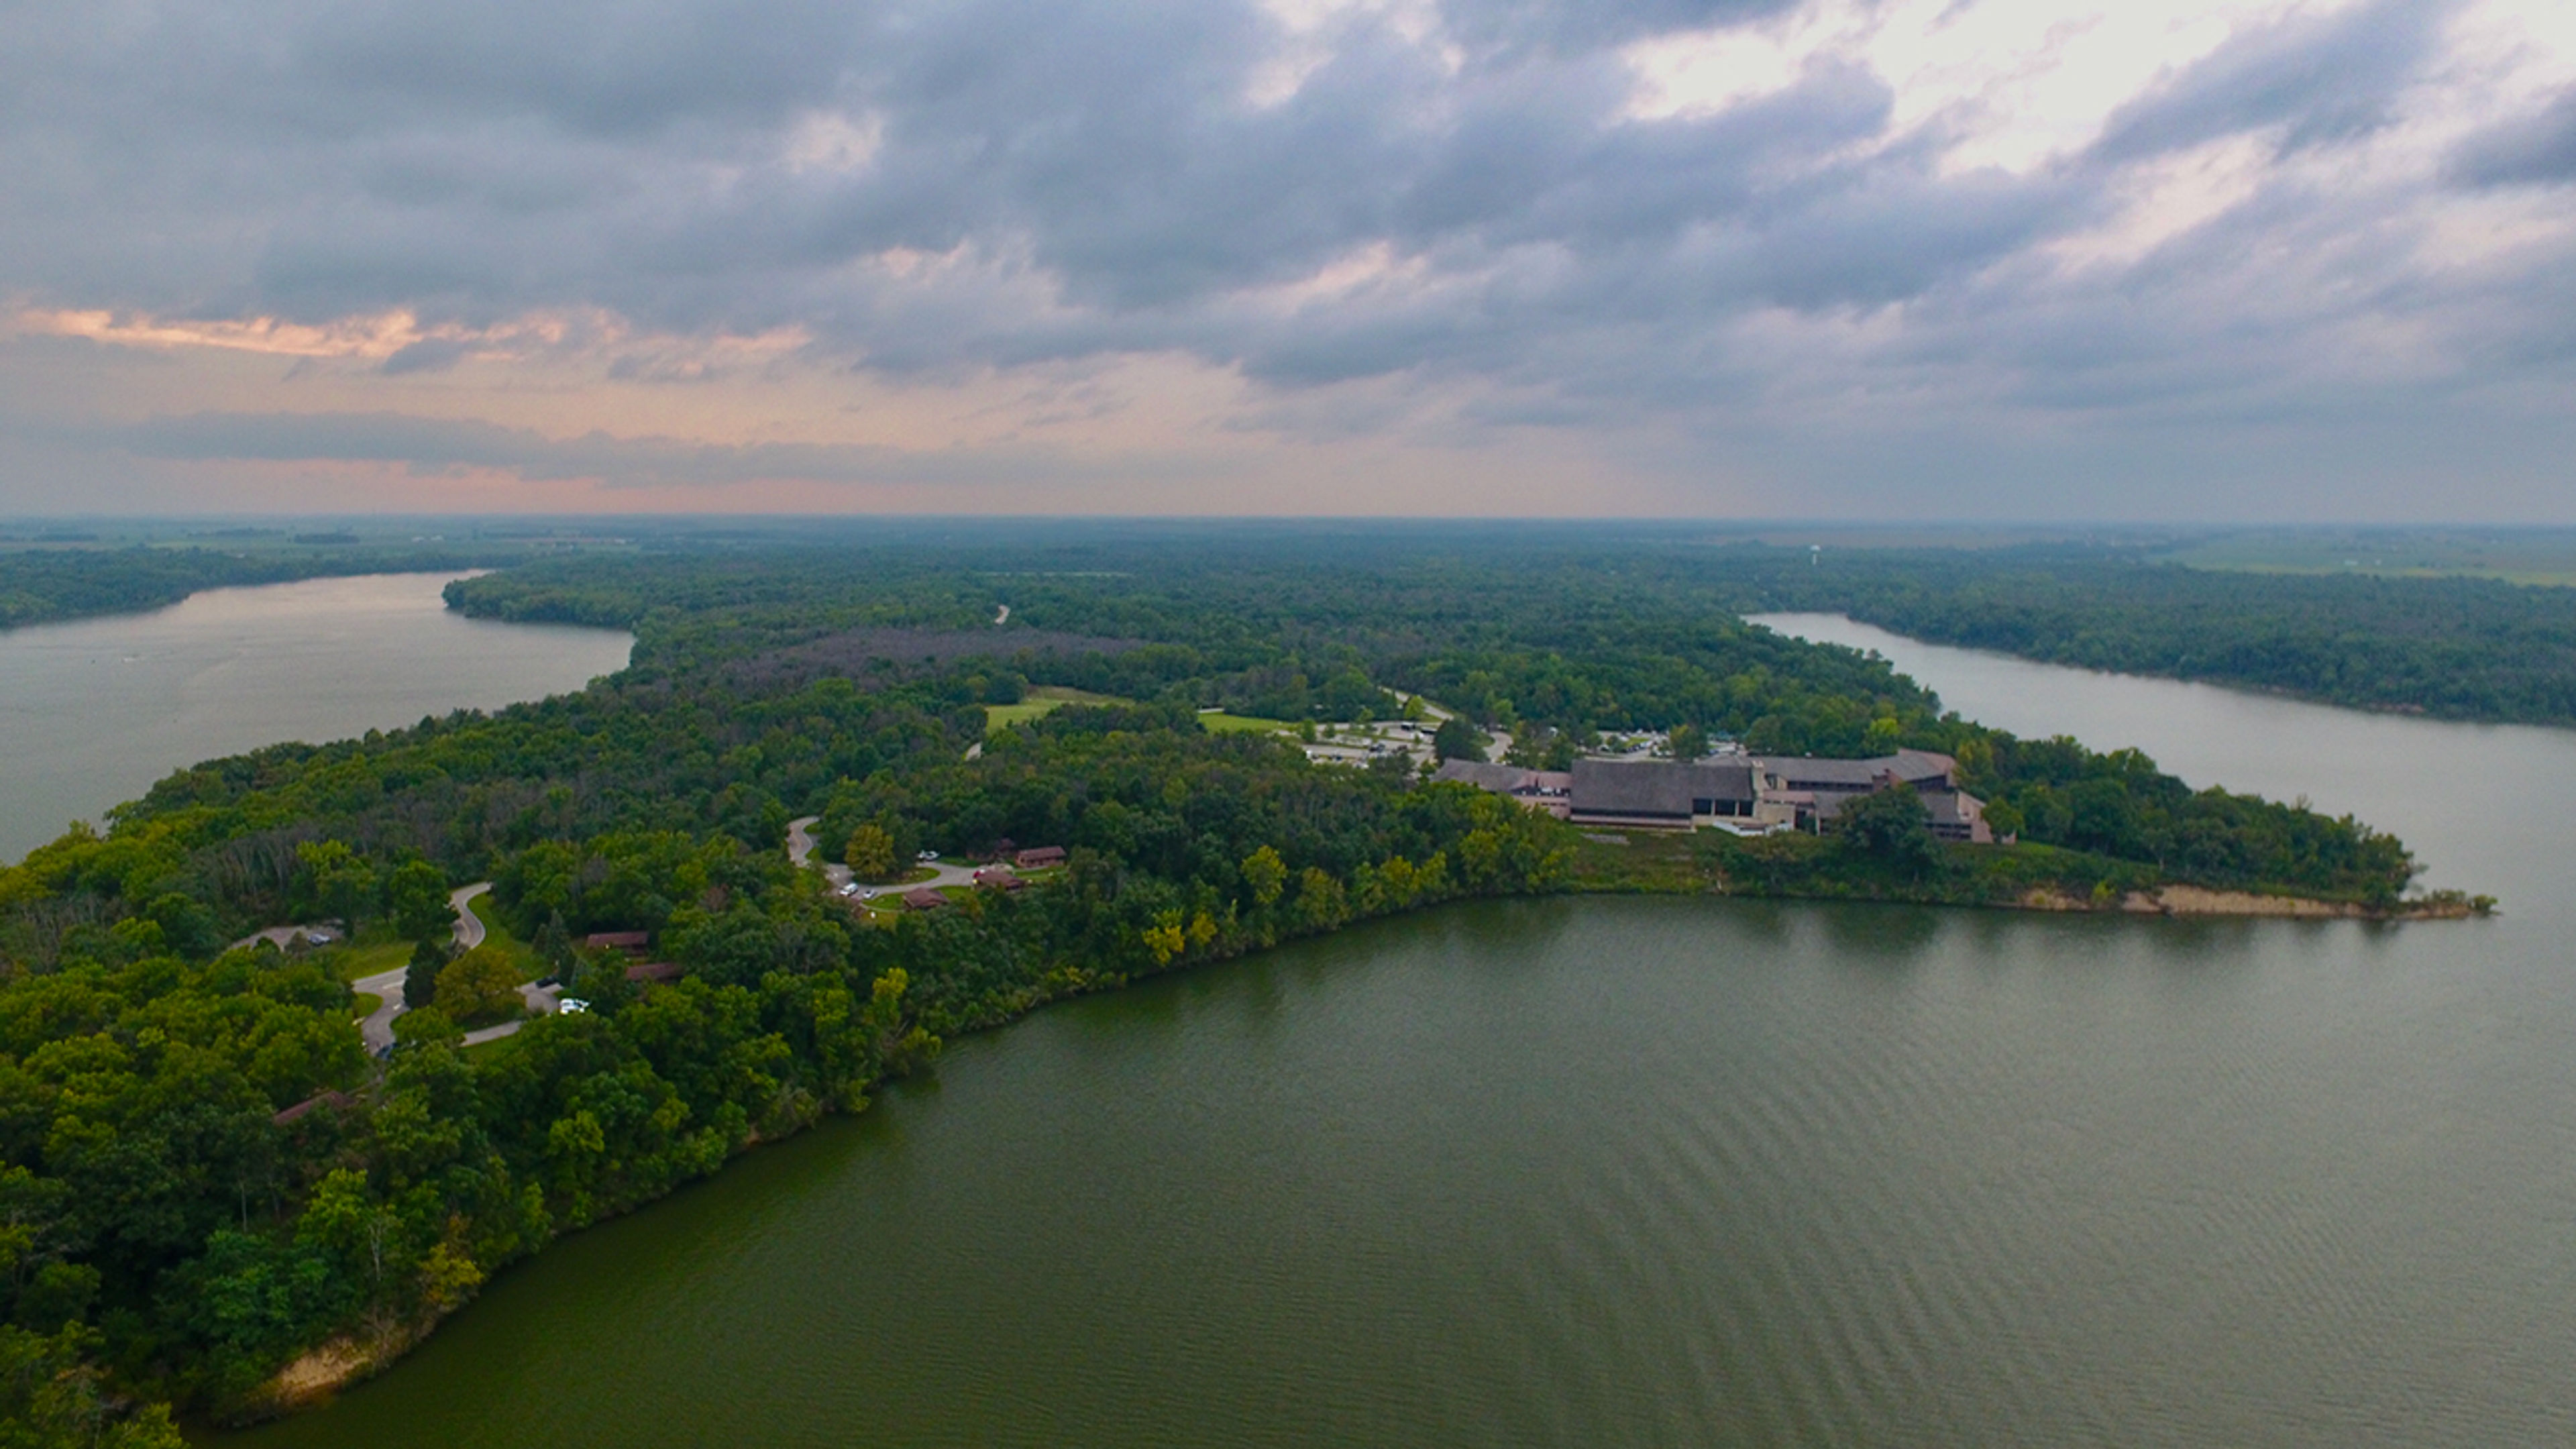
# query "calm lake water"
(93, 712)
(1658, 1172)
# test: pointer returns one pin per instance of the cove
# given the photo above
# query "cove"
(96, 710)
(1668, 1172)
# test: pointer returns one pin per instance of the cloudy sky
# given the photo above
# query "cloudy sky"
(2161, 260)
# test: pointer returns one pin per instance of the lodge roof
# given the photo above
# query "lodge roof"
(1655, 787)
(1501, 779)
(1922, 769)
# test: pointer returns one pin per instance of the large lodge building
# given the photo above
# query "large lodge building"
(1748, 794)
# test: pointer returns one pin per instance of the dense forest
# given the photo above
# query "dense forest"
(207, 1178)
(2457, 648)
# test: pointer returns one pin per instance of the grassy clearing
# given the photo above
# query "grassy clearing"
(1041, 701)
(364, 1004)
(372, 957)
(498, 935)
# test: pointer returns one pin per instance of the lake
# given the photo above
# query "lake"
(1623, 1172)
(94, 711)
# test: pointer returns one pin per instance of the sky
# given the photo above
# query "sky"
(2189, 261)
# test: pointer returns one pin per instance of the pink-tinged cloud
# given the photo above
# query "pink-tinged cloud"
(2204, 259)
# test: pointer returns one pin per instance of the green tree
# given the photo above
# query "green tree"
(1689, 742)
(416, 899)
(553, 945)
(1456, 740)
(337, 881)
(420, 978)
(1889, 826)
(51, 1399)
(478, 988)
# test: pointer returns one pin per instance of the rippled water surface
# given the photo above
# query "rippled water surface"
(1655, 1172)
(93, 712)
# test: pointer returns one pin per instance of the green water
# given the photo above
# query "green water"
(1649, 1172)
(94, 711)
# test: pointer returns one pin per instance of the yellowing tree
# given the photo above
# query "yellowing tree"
(1267, 874)
(870, 853)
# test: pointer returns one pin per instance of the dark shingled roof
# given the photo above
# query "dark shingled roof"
(1655, 787)
(1501, 779)
(1919, 768)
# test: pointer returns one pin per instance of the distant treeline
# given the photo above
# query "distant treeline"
(2455, 648)
(44, 586)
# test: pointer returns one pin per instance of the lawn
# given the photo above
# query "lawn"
(498, 935)
(356, 961)
(364, 1004)
(1043, 700)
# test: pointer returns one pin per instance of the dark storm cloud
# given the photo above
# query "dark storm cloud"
(2537, 150)
(2320, 79)
(937, 189)
(1515, 25)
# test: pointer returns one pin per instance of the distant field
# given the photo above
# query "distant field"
(1043, 700)
(1223, 724)
(2522, 556)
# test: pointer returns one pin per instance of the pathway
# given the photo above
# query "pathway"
(283, 937)
(378, 1029)
(800, 852)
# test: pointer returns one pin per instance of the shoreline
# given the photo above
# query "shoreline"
(315, 1377)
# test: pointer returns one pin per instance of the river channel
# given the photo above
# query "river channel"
(1619, 1172)
(94, 711)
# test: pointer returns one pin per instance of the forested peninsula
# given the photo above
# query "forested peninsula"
(2452, 648)
(217, 1200)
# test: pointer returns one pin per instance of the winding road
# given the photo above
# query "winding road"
(378, 1028)
(800, 853)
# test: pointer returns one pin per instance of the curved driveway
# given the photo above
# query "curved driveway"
(800, 852)
(378, 1028)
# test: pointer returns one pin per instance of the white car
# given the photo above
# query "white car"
(927, 856)
(572, 1004)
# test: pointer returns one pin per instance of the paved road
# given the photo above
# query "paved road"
(800, 851)
(469, 927)
(378, 1028)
